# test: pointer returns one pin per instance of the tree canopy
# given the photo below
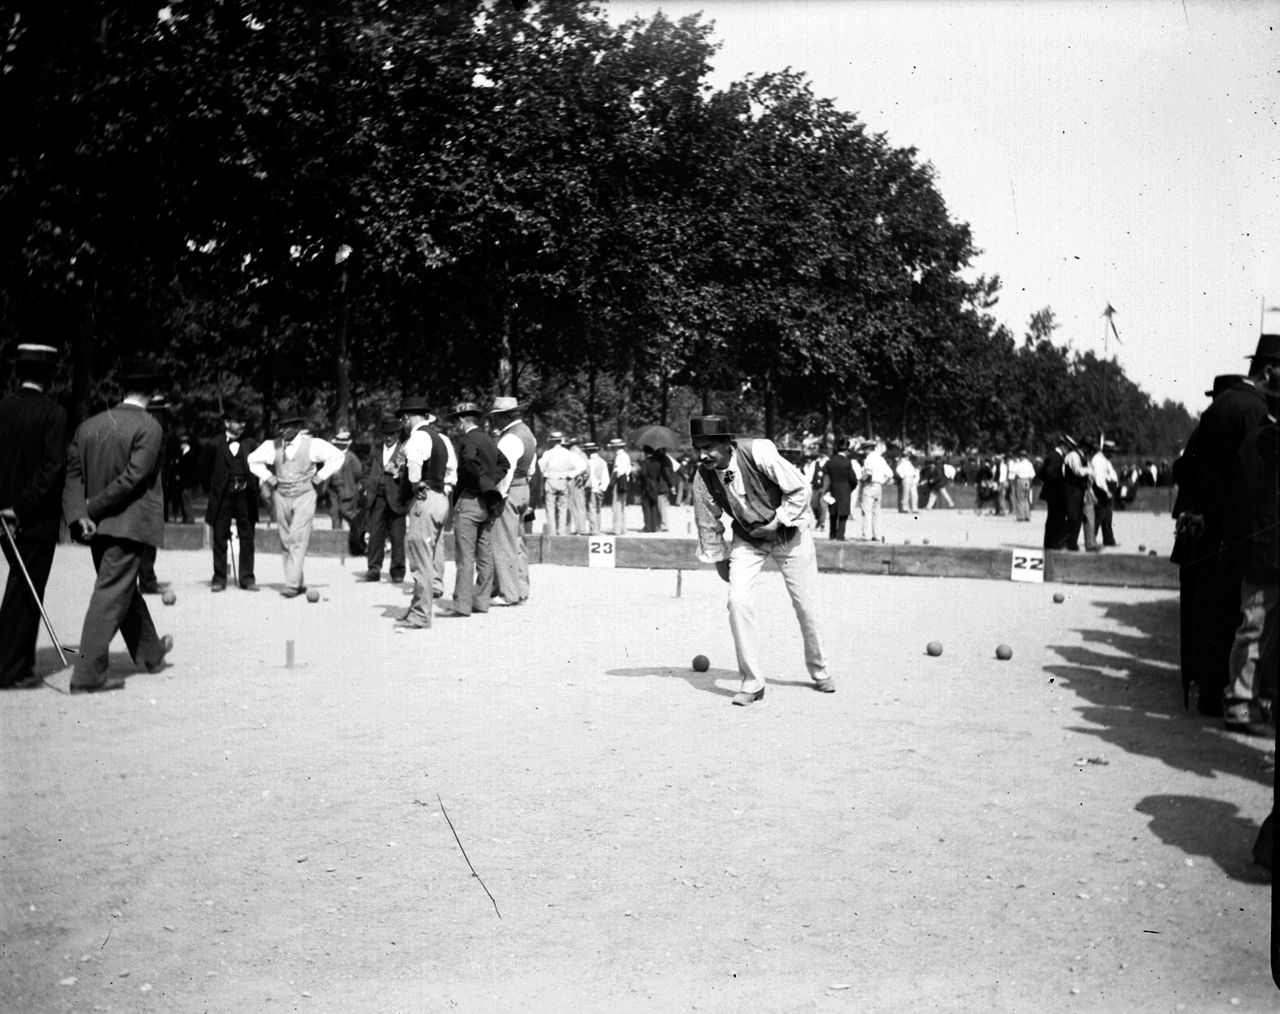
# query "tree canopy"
(327, 205)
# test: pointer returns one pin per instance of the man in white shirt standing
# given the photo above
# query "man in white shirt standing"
(1106, 484)
(516, 443)
(620, 483)
(1021, 474)
(289, 469)
(875, 473)
(768, 499)
(560, 469)
(908, 484)
(597, 484)
(426, 462)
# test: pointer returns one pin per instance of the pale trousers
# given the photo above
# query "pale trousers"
(557, 521)
(664, 507)
(909, 500)
(578, 509)
(510, 557)
(869, 498)
(593, 511)
(1253, 652)
(422, 531)
(619, 512)
(294, 515)
(1022, 499)
(798, 561)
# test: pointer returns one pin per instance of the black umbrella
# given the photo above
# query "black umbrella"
(654, 436)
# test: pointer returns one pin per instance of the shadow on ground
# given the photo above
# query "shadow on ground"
(1131, 690)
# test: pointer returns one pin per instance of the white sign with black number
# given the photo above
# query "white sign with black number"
(1027, 565)
(600, 551)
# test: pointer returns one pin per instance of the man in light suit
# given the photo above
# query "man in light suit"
(113, 502)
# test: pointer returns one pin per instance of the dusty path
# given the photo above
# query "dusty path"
(954, 833)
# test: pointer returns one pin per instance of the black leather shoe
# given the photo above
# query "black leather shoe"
(114, 683)
(217, 586)
(149, 587)
(28, 683)
(742, 698)
(166, 643)
(370, 577)
(249, 585)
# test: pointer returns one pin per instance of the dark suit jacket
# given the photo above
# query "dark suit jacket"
(840, 481)
(397, 491)
(216, 465)
(33, 457)
(113, 475)
(1222, 430)
(480, 466)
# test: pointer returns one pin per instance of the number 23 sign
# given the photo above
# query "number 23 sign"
(600, 551)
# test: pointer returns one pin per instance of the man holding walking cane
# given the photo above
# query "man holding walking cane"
(32, 466)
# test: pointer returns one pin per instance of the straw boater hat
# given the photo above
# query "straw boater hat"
(342, 437)
(31, 356)
(555, 437)
(616, 443)
(504, 405)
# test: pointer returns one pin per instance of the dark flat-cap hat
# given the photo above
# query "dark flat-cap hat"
(290, 417)
(709, 426)
(234, 411)
(465, 408)
(1268, 347)
(413, 405)
(1222, 382)
(390, 424)
(505, 404)
(138, 371)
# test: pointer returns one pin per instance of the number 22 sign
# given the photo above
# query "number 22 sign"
(1027, 565)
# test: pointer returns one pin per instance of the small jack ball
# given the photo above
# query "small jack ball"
(1004, 652)
(313, 596)
(168, 598)
(1059, 597)
(1152, 552)
(1142, 549)
(934, 648)
(701, 663)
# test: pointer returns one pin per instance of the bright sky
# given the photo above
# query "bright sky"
(1124, 153)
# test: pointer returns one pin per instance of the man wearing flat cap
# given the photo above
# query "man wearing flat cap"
(426, 466)
(480, 468)
(113, 501)
(1237, 409)
(32, 467)
(767, 499)
(510, 556)
(290, 469)
(389, 501)
(233, 496)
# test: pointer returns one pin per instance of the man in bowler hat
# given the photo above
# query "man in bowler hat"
(233, 496)
(32, 467)
(389, 501)
(768, 499)
(113, 501)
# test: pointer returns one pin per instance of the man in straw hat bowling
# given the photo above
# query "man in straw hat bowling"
(768, 499)
(510, 556)
(290, 469)
(112, 501)
(32, 466)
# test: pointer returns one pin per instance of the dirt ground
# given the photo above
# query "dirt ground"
(957, 833)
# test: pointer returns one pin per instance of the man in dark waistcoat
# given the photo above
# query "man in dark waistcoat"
(389, 501)
(768, 499)
(112, 500)
(32, 467)
(510, 557)
(233, 496)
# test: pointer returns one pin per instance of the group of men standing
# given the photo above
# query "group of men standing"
(1079, 487)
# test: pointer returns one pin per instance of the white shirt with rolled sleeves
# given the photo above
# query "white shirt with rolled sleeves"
(876, 469)
(558, 462)
(792, 512)
(512, 447)
(597, 474)
(417, 452)
(327, 459)
(1104, 473)
(622, 465)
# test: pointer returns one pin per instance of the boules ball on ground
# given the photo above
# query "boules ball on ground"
(701, 663)
(934, 648)
(313, 595)
(1059, 597)
(1004, 652)
(168, 598)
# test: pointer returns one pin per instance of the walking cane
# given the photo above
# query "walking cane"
(48, 625)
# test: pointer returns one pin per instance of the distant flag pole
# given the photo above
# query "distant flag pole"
(1109, 313)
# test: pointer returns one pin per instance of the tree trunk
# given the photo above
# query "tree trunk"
(343, 417)
(706, 400)
(82, 363)
(665, 401)
(506, 372)
(591, 401)
(624, 400)
(769, 404)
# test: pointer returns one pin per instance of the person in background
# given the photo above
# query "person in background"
(389, 501)
(619, 483)
(908, 484)
(597, 484)
(233, 496)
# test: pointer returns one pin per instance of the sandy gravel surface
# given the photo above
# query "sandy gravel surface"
(950, 834)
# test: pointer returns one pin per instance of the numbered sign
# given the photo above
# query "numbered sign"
(1028, 565)
(600, 551)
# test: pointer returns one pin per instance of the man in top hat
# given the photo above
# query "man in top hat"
(389, 500)
(1053, 491)
(481, 466)
(768, 499)
(290, 469)
(510, 556)
(233, 496)
(113, 501)
(345, 493)
(560, 469)
(426, 465)
(32, 466)
(619, 483)
(1236, 409)
(597, 484)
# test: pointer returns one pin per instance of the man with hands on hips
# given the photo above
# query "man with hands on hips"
(767, 499)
